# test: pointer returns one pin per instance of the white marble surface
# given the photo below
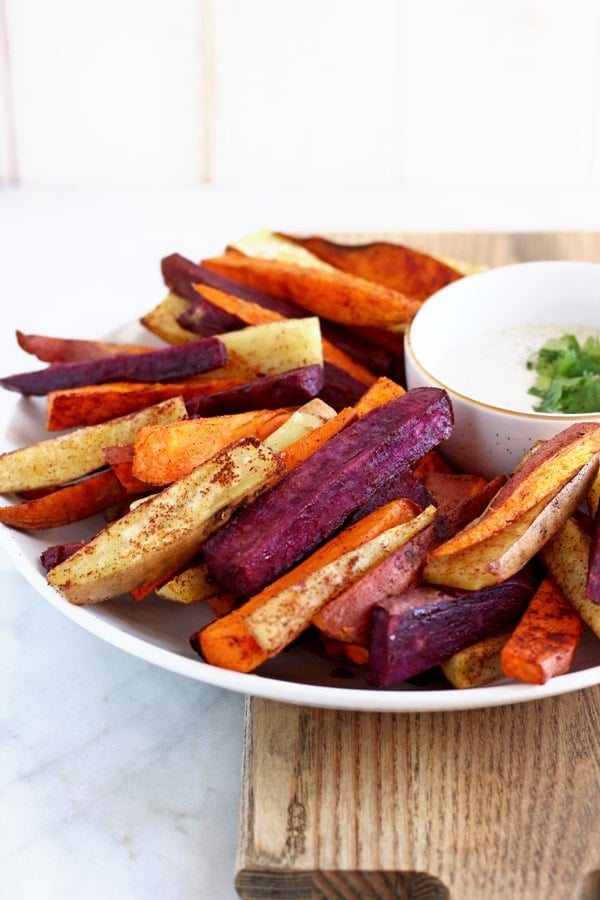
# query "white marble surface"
(119, 779)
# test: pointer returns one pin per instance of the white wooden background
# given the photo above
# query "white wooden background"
(376, 93)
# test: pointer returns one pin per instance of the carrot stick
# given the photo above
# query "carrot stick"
(544, 641)
(228, 643)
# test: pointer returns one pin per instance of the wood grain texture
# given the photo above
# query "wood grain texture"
(495, 803)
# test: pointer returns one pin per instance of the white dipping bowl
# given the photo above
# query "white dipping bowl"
(474, 337)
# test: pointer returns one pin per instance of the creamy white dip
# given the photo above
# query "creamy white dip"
(493, 367)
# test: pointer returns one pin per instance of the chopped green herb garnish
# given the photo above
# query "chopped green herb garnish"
(568, 375)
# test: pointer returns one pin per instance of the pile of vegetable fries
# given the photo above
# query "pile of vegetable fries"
(268, 461)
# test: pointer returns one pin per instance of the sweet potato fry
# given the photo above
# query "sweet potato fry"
(592, 590)
(538, 478)
(381, 391)
(285, 389)
(57, 553)
(167, 530)
(69, 456)
(347, 617)
(303, 421)
(164, 364)
(144, 590)
(253, 314)
(162, 320)
(162, 454)
(566, 560)
(334, 295)
(341, 652)
(228, 643)
(284, 616)
(120, 459)
(545, 639)
(55, 349)
(396, 266)
(424, 626)
(299, 450)
(505, 552)
(190, 585)
(181, 275)
(315, 499)
(66, 505)
(478, 664)
(93, 404)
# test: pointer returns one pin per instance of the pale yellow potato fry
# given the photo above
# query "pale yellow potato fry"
(276, 347)
(476, 665)
(506, 552)
(537, 478)
(167, 531)
(268, 349)
(162, 320)
(566, 558)
(282, 618)
(301, 422)
(191, 585)
(265, 244)
(73, 454)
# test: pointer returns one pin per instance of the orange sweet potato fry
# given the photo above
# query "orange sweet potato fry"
(66, 504)
(139, 593)
(253, 314)
(228, 643)
(305, 446)
(335, 295)
(382, 391)
(340, 651)
(396, 266)
(543, 643)
(221, 604)
(432, 463)
(120, 459)
(162, 455)
(90, 405)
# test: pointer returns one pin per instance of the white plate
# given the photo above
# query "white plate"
(158, 631)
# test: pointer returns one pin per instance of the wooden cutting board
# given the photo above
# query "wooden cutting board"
(489, 804)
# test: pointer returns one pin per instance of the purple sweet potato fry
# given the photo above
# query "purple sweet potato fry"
(181, 274)
(425, 625)
(404, 484)
(163, 364)
(340, 389)
(203, 317)
(57, 553)
(292, 388)
(315, 499)
(592, 591)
